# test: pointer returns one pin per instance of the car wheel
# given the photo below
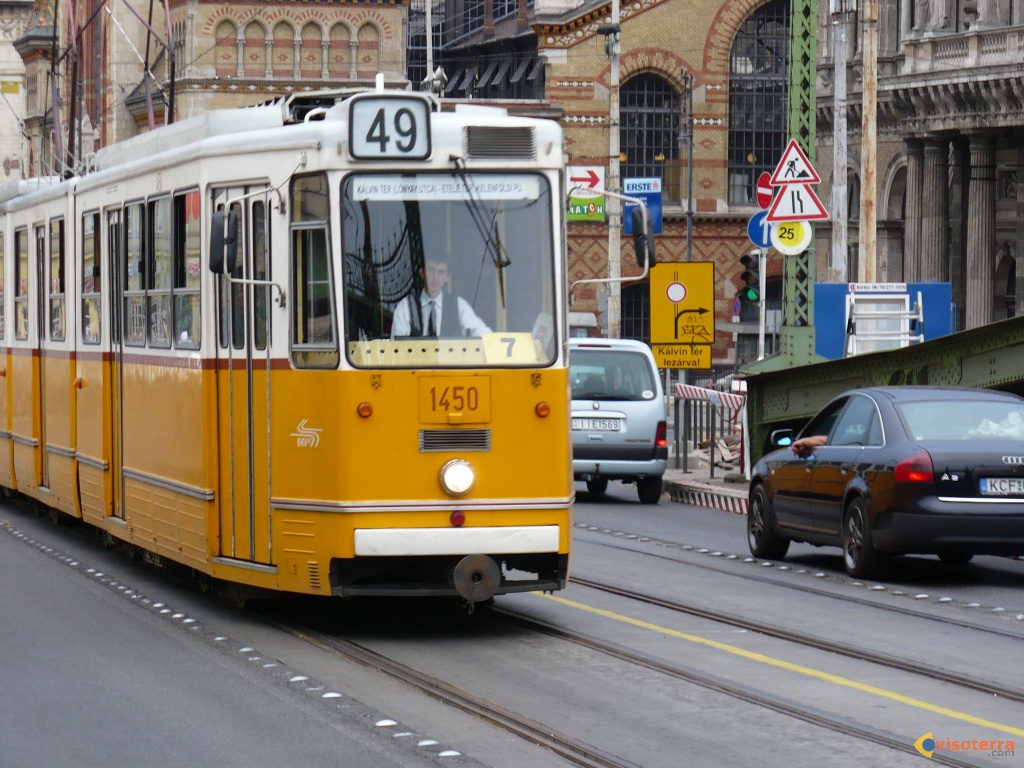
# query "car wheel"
(598, 485)
(859, 554)
(761, 536)
(649, 490)
(955, 558)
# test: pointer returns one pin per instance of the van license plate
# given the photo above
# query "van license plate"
(1002, 486)
(596, 425)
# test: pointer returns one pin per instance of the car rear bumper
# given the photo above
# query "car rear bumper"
(968, 530)
(585, 469)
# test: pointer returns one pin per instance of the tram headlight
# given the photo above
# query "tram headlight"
(457, 477)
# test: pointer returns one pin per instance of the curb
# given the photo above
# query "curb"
(712, 496)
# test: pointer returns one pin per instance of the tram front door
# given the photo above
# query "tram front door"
(243, 382)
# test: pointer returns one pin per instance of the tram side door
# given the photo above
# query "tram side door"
(244, 343)
(118, 275)
(42, 311)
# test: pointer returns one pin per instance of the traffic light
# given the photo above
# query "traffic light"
(751, 278)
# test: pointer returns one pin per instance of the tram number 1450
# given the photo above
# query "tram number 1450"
(442, 398)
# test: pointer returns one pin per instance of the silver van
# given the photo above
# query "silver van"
(618, 416)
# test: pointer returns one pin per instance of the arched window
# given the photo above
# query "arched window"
(225, 52)
(339, 53)
(636, 309)
(284, 51)
(758, 98)
(311, 64)
(255, 64)
(649, 132)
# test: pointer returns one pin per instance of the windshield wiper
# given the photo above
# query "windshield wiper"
(488, 230)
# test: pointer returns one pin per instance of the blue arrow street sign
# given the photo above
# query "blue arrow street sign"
(759, 230)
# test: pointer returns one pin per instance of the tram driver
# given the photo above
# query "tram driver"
(429, 316)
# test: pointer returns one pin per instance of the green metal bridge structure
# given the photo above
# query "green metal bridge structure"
(787, 389)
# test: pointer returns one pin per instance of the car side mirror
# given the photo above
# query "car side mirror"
(781, 438)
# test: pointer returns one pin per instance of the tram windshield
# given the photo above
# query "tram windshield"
(448, 269)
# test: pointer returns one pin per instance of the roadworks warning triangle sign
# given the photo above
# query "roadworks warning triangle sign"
(794, 168)
(796, 202)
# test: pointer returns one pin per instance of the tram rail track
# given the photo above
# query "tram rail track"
(862, 654)
(574, 750)
(853, 599)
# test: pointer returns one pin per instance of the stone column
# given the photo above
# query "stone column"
(981, 232)
(912, 211)
(935, 212)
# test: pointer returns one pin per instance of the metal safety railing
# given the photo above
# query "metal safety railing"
(704, 415)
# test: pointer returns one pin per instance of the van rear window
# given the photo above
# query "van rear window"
(596, 373)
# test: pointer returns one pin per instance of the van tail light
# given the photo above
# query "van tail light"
(661, 436)
(915, 469)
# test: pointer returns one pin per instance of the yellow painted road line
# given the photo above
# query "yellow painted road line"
(789, 666)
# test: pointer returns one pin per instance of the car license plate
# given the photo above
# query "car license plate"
(597, 425)
(1002, 486)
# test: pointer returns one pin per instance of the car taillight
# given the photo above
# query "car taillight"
(661, 436)
(915, 469)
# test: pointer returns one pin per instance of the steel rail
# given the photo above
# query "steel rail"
(573, 750)
(819, 643)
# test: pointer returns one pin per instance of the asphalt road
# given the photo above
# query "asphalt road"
(94, 674)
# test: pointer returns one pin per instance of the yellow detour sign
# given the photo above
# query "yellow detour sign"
(682, 355)
(683, 303)
(683, 313)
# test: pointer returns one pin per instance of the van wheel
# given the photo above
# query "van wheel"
(598, 485)
(761, 536)
(649, 490)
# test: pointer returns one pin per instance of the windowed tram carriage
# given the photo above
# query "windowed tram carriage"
(201, 358)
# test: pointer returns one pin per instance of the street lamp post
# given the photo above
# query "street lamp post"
(613, 207)
(688, 133)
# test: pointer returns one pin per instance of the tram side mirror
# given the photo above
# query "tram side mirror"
(643, 240)
(223, 243)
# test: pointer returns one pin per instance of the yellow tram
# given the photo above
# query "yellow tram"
(206, 353)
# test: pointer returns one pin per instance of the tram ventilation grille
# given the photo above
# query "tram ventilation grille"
(485, 142)
(455, 440)
(314, 574)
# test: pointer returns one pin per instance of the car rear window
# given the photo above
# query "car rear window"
(963, 419)
(612, 374)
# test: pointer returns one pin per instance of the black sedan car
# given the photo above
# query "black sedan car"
(896, 470)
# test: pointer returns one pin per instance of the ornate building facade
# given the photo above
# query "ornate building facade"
(129, 72)
(950, 148)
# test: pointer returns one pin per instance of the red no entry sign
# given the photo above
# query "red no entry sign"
(764, 190)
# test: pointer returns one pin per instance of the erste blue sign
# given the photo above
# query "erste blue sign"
(648, 190)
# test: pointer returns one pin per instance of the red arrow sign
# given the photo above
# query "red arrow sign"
(764, 190)
(591, 179)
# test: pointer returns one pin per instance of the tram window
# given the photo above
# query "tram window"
(56, 280)
(91, 299)
(260, 271)
(159, 271)
(314, 338)
(187, 272)
(135, 290)
(238, 289)
(313, 335)
(494, 231)
(21, 283)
